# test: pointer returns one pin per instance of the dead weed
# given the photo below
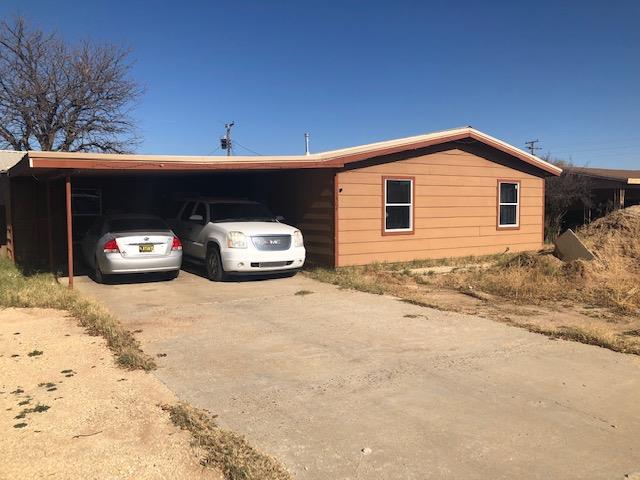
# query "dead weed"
(226, 450)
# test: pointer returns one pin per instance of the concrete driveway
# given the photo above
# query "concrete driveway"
(348, 385)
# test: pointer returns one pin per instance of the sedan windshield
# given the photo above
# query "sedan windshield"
(136, 224)
(240, 212)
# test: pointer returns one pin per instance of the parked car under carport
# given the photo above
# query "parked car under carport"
(131, 244)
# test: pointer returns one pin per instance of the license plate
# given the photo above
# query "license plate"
(146, 247)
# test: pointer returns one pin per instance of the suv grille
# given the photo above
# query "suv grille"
(272, 242)
(271, 264)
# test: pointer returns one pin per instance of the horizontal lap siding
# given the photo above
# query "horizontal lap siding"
(313, 212)
(455, 210)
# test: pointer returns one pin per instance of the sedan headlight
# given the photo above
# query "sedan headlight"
(297, 239)
(236, 240)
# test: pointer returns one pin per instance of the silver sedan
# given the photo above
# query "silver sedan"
(119, 244)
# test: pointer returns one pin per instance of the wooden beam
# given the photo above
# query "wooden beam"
(9, 221)
(49, 227)
(69, 230)
(618, 198)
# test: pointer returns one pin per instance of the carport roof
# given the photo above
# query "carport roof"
(630, 177)
(40, 161)
(8, 158)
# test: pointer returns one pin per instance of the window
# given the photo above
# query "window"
(201, 210)
(186, 212)
(143, 224)
(509, 204)
(240, 212)
(87, 202)
(398, 205)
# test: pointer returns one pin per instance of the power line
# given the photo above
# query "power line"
(597, 149)
(214, 150)
(610, 141)
(247, 148)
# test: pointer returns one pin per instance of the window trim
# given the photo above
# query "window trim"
(515, 226)
(412, 205)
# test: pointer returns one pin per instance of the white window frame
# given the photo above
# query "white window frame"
(410, 205)
(516, 203)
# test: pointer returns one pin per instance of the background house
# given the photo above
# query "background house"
(607, 189)
(450, 193)
(8, 158)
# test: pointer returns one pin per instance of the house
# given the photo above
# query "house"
(450, 193)
(609, 189)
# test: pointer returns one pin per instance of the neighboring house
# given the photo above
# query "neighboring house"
(450, 193)
(609, 188)
(8, 158)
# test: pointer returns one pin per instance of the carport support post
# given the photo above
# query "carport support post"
(49, 227)
(69, 230)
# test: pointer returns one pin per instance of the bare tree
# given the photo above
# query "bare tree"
(561, 194)
(54, 96)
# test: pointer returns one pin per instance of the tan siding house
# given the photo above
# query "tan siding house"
(454, 212)
(451, 193)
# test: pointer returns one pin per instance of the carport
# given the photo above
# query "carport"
(55, 196)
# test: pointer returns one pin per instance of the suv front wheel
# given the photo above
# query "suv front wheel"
(213, 264)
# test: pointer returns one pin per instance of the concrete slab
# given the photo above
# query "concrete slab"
(439, 269)
(569, 247)
(348, 385)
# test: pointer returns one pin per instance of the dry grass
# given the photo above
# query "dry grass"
(225, 450)
(43, 291)
(591, 334)
(611, 281)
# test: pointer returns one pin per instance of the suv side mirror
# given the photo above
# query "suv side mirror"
(279, 218)
(196, 218)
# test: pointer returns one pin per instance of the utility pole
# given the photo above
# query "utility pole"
(531, 146)
(225, 142)
(306, 144)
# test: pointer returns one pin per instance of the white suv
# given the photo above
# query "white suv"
(237, 237)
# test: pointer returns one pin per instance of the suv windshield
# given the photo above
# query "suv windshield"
(135, 224)
(240, 212)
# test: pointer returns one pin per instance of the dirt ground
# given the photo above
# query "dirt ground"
(67, 412)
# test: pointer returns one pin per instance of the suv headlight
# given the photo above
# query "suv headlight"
(297, 239)
(236, 240)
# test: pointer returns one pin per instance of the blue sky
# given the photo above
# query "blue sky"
(567, 73)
